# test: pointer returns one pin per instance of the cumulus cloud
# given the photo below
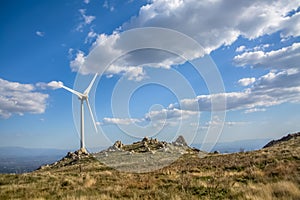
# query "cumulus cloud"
(280, 85)
(271, 89)
(211, 23)
(274, 80)
(214, 23)
(87, 19)
(246, 81)
(18, 98)
(86, 1)
(290, 26)
(240, 48)
(261, 47)
(169, 114)
(131, 72)
(129, 53)
(53, 85)
(286, 57)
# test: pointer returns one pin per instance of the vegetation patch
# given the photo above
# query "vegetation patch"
(270, 173)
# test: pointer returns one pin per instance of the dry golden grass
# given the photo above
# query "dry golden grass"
(272, 173)
(278, 190)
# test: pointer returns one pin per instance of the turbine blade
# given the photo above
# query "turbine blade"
(87, 91)
(91, 113)
(73, 91)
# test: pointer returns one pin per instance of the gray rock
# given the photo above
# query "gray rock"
(180, 141)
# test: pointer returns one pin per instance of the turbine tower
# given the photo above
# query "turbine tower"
(83, 97)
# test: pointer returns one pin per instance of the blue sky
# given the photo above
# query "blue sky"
(251, 47)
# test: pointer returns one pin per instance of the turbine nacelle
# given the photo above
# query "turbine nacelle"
(82, 97)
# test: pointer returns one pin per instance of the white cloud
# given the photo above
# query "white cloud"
(159, 118)
(256, 48)
(131, 72)
(53, 85)
(40, 33)
(87, 19)
(261, 47)
(119, 121)
(271, 89)
(89, 38)
(286, 57)
(214, 23)
(240, 48)
(291, 26)
(281, 84)
(86, 1)
(255, 110)
(17, 98)
(246, 81)
(216, 121)
(211, 23)
(129, 59)
(169, 114)
(77, 64)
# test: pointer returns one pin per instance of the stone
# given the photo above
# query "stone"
(118, 144)
(145, 139)
(180, 141)
(145, 144)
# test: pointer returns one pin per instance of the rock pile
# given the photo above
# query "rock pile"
(79, 154)
(145, 145)
(70, 159)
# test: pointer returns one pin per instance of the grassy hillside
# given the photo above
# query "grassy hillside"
(269, 173)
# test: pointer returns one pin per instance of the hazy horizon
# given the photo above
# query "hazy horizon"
(211, 71)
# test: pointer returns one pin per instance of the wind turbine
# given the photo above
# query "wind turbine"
(83, 97)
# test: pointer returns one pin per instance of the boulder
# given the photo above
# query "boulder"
(145, 139)
(180, 141)
(118, 144)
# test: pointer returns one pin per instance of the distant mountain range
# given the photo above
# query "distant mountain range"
(237, 146)
(20, 160)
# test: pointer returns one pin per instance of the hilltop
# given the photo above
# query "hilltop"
(146, 155)
(283, 139)
(269, 173)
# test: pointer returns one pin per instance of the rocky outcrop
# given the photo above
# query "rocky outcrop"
(81, 153)
(180, 141)
(118, 146)
(70, 159)
(148, 145)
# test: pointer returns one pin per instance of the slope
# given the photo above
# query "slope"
(269, 173)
